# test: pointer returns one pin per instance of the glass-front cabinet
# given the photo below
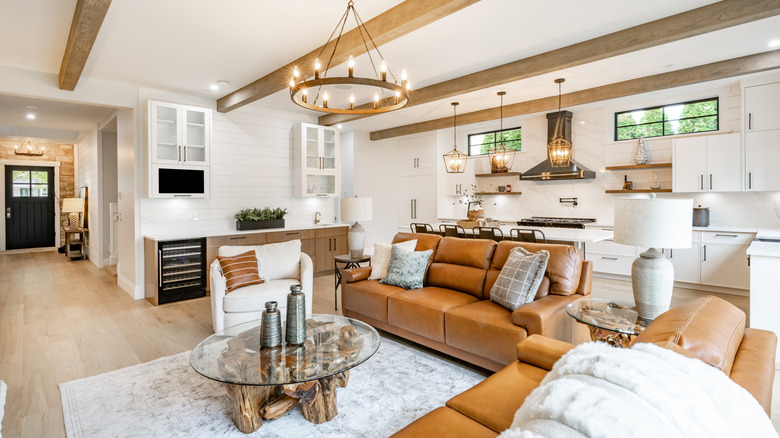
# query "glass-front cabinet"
(179, 134)
(316, 161)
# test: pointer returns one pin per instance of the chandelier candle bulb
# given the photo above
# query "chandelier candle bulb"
(351, 101)
(351, 67)
(404, 78)
(325, 99)
(383, 70)
(376, 100)
(397, 96)
(296, 73)
(304, 96)
(292, 83)
(317, 67)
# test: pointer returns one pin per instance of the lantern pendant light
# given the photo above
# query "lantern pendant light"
(559, 149)
(500, 156)
(454, 160)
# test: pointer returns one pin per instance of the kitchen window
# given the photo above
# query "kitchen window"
(678, 118)
(481, 142)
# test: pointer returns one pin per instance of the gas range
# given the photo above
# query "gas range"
(556, 222)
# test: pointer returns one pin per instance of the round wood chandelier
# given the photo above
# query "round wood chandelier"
(312, 91)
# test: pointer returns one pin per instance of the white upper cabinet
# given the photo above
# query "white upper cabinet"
(708, 163)
(762, 154)
(417, 156)
(762, 107)
(179, 134)
(316, 161)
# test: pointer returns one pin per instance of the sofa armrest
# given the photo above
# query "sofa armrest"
(355, 274)
(541, 351)
(586, 278)
(307, 281)
(218, 288)
(546, 316)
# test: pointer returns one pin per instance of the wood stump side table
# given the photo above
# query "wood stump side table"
(266, 383)
(617, 324)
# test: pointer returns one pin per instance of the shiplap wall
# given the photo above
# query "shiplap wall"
(88, 177)
(250, 166)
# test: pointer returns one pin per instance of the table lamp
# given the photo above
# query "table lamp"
(73, 206)
(653, 223)
(354, 210)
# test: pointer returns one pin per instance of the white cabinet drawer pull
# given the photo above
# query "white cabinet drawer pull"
(609, 258)
(725, 235)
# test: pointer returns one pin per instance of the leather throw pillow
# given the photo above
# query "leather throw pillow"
(519, 278)
(239, 270)
(407, 268)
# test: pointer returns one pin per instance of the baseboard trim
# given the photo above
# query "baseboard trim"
(126, 285)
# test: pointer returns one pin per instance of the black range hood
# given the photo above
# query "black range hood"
(545, 170)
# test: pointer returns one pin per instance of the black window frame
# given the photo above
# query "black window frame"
(663, 121)
(494, 132)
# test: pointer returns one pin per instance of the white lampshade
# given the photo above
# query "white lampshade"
(356, 209)
(73, 205)
(653, 222)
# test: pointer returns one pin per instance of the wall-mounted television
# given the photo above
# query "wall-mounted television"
(171, 182)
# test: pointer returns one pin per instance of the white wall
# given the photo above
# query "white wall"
(108, 188)
(376, 175)
(87, 175)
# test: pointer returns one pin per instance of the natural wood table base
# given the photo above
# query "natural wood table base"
(252, 404)
(616, 339)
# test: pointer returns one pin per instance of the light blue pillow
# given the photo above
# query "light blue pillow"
(407, 268)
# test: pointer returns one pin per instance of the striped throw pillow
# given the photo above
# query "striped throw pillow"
(240, 270)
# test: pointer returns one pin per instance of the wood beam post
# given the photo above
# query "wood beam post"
(389, 25)
(87, 19)
(716, 16)
(709, 72)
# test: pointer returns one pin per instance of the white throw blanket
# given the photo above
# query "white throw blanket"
(647, 391)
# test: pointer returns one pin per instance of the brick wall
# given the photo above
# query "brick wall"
(60, 152)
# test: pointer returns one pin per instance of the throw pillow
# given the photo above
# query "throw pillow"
(407, 268)
(275, 260)
(239, 270)
(519, 278)
(380, 260)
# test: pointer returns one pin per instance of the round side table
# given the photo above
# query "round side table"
(614, 323)
(349, 262)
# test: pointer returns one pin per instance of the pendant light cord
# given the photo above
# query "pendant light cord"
(455, 125)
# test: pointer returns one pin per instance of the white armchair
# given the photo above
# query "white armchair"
(281, 266)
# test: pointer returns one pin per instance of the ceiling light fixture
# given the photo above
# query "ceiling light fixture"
(559, 149)
(500, 156)
(774, 44)
(216, 86)
(312, 94)
(30, 151)
(30, 116)
(455, 160)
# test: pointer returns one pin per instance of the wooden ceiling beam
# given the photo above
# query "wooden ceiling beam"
(385, 27)
(87, 19)
(704, 73)
(709, 18)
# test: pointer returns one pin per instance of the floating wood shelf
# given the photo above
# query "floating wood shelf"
(639, 166)
(499, 193)
(487, 175)
(641, 191)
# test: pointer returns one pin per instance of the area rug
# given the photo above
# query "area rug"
(167, 398)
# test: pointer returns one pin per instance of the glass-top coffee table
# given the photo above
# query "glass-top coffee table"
(266, 383)
(614, 323)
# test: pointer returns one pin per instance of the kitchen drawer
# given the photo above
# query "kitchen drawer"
(283, 236)
(236, 240)
(332, 231)
(611, 264)
(610, 247)
(726, 238)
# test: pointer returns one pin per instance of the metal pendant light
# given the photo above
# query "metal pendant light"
(559, 149)
(501, 157)
(454, 160)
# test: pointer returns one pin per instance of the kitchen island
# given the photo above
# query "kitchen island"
(764, 253)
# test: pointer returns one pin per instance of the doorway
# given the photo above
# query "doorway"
(29, 207)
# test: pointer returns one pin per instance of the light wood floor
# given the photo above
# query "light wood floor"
(61, 321)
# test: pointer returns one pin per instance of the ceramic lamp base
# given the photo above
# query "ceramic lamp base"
(73, 220)
(652, 278)
(357, 240)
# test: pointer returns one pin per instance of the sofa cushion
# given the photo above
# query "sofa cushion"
(275, 260)
(407, 268)
(239, 270)
(368, 297)
(519, 278)
(445, 422)
(461, 264)
(251, 298)
(709, 327)
(424, 241)
(421, 311)
(563, 269)
(380, 260)
(484, 328)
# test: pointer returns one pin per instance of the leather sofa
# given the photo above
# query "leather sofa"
(706, 328)
(453, 312)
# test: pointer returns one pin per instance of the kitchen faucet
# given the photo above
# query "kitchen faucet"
(317, 217)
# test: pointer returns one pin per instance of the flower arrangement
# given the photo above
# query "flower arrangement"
(473, 199)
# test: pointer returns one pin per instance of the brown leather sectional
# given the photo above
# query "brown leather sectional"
(453, 313)
(706, 328)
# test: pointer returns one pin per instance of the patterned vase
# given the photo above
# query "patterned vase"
(641, 154)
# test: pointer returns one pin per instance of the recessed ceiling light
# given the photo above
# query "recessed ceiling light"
(32, 108)
(339, 126)
(216, 86)
(30, 116)
(774, 43)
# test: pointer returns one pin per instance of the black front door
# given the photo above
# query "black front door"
(29, 207)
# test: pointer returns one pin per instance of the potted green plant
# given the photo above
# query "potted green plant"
(260, 218)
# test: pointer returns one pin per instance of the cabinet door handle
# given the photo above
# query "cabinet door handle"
(710, 181)
(237, 238)
(671, 253)
(293, 233)
(705, 253)
(750, 121)
(159, 266)
(725, 235)
(609, 258)
(701, 182)
(411, 208)
(748, 257)
(750, 180)
(330, 245)
(178, 153)
(185, 152)
(8, 212)
(334, 244)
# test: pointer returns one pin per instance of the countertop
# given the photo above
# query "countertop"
(214, 233)
(764, 249)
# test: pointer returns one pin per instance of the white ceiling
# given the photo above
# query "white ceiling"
(185, 45)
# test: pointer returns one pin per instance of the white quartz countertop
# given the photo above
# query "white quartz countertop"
(764, 249)
(561, 234)
(713, 228)
(224, 232)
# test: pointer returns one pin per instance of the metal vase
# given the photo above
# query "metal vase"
(272, 326)
(296, 316)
